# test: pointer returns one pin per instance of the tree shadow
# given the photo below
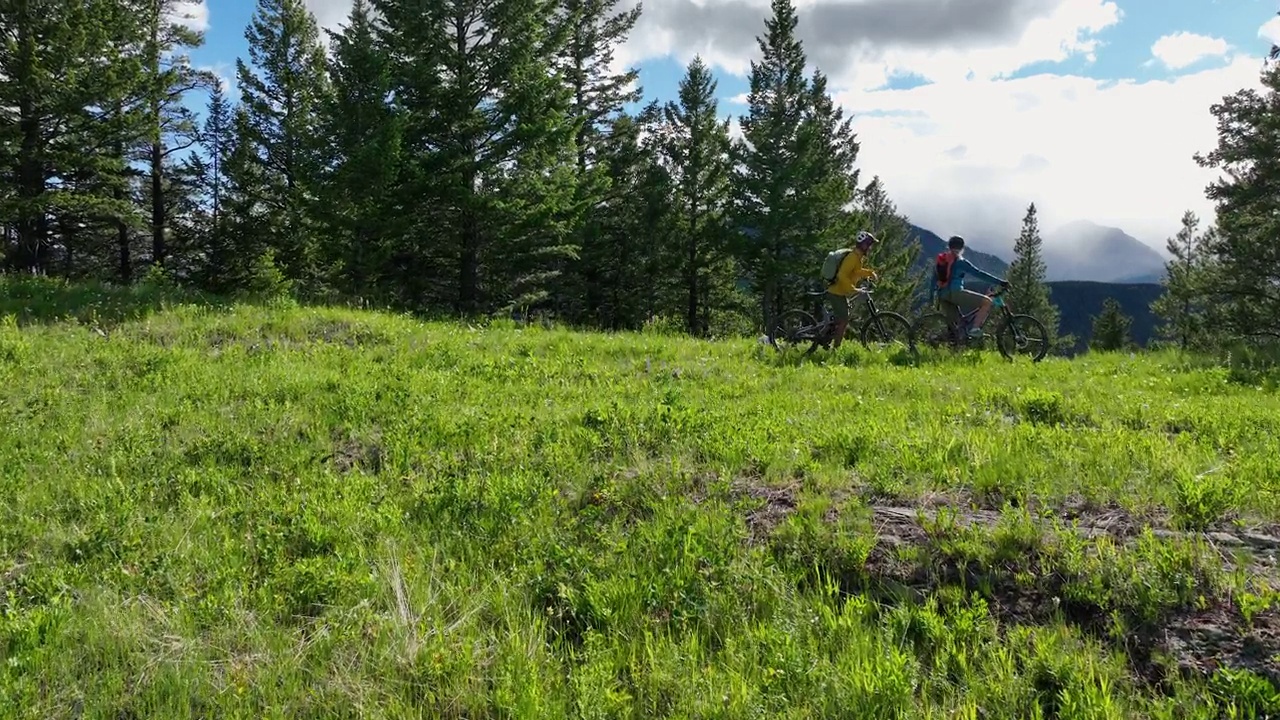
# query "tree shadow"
(36, 300)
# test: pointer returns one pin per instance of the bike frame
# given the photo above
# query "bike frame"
(817, 326)
(958, 323)
(825, 318)
(966, 319)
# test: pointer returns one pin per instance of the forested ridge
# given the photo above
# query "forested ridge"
(468, 157)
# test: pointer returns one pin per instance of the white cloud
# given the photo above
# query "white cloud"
(192, 13)
(1066, 32)
(723, 33)
(1270, 30)
(968, 156)
(329, 13)
(1183, 49)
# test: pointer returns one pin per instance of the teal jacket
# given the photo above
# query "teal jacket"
(958, 270)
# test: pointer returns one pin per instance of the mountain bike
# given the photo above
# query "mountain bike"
(797, 326)
(1015, 332)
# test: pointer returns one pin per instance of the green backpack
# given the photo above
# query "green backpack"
(831, 265)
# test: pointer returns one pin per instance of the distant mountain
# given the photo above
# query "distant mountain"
(1087, 251)
(1080, 301)
(931, 244)
(1094, 250)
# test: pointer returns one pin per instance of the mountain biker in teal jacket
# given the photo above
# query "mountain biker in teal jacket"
(950, 269)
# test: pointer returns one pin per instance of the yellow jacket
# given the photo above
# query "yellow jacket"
(851, 272)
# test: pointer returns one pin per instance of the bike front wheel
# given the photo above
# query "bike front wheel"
(789, 329)
(1022, 334)
(886, 328)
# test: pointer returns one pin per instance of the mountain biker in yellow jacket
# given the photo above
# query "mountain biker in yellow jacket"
(850, 273)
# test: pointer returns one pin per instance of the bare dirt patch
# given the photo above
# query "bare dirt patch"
(902, 566)
(1200, 641)
(351, 452)
(1220, 637)
(1114, 522)
(343, 332)
(777, 504)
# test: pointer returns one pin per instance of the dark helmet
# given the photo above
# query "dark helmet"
(865, 239)
(955, 242)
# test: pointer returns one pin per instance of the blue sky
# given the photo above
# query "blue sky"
(1063, 103)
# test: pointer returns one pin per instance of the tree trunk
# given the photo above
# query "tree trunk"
(768, 301)
(469, 250)
(158, 220)
(695, 207)
(32, 225)
(122, 245)
(469, 257)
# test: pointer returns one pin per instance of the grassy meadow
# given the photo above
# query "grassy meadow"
(234, 510)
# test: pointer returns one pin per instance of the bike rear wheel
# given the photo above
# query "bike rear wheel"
(886, 328)
(790, 329)
(932, 330)
(1025, 334)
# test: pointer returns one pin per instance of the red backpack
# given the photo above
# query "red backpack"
(942, 268)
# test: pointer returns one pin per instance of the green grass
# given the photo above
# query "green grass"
(215, 510)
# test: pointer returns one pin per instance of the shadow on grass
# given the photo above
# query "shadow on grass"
(799, 356)
(855, 355)
(34, 300)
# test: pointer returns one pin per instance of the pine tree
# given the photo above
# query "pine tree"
(119, 111)
(1110, 327)
(187, 220)
(167, 79)
(536, 194)
(494, 146)
(1181, 306)
(422, 254)
(630, 242)
(213, 254)
(696, 149)
(363, 154)
(65, 76)
(1247, 203)
(594, 29)
(1028, 291)
(245, 235)
(775, 250)
(280, 135)
(828, 182)
(658, 223)
(795, 175)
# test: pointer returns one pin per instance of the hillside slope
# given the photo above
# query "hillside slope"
(214, 510)
(1079, 302)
